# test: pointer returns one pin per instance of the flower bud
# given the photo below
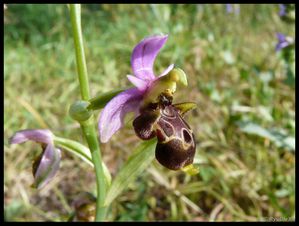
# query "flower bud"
(79, 111)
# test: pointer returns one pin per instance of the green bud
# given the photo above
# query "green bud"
(79, 111)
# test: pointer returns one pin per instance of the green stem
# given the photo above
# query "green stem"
(92, 140)
(88, 126)
(74, 147)
(81, 151)
(75, 10)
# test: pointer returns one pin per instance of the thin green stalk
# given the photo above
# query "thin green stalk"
(92, 140)
(74, 147)
(81, 151)
(75, 10)
(88, 126)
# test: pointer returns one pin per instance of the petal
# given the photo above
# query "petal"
(111, 118)
(183, 108)
(144, 55)
(48, 166)
(139, 83)
(37, 135)
(281, 45)
(165, 72)
(281, 37)
(282, 41)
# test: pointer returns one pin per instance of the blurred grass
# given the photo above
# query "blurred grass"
(235, 76)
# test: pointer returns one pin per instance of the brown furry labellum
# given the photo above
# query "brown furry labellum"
(176, 146)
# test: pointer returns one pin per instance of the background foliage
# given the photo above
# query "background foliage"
(244, 124)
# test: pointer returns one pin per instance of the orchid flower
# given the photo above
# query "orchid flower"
(146, 90)
(47, 164)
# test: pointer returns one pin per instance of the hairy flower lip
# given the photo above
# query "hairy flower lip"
(142, 62)
(49, 162)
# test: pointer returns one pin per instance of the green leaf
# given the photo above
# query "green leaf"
(279, 137)
(135, 165)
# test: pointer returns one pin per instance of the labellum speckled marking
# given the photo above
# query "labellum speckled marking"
(176, 146)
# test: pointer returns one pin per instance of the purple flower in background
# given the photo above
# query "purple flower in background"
(47, 164)
(282, 10)
(283, 41)
(229, 8)
(142, 62)
(232, 8)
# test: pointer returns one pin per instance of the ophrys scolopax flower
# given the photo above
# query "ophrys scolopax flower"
(47, 163)
(151, 100)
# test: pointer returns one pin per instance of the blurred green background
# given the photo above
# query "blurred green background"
(244, 124)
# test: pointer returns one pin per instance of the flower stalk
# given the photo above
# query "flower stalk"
(88, 125)
(82, 151)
